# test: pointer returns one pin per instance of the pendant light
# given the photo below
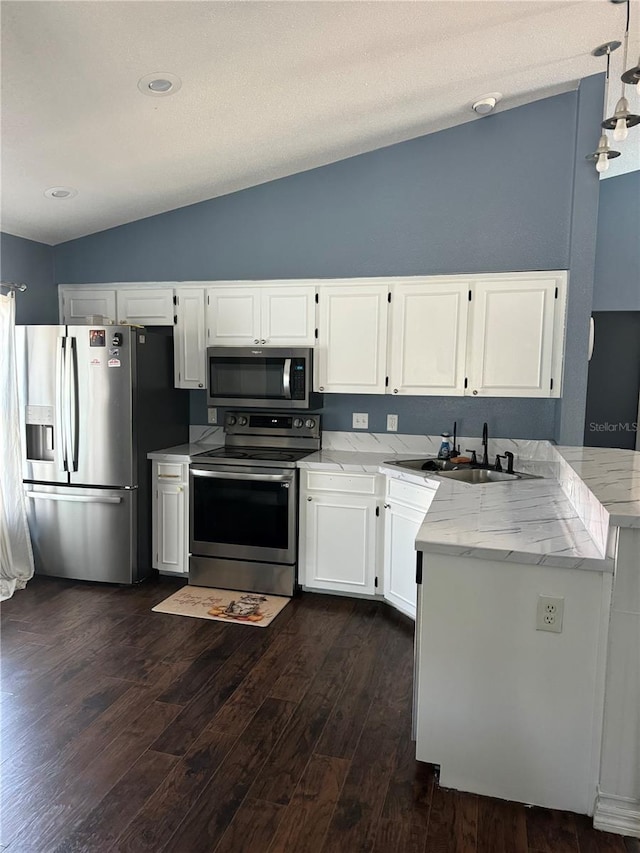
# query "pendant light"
(603, 153)
(622, 119)
(632, 76)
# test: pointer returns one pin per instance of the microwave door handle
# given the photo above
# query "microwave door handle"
(286, 379)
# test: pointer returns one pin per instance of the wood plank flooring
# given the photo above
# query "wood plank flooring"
(138, 732)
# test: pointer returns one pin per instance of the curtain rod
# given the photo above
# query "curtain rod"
(12, 285)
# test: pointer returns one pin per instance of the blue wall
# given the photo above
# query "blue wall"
(570, 411)
(32, 263)
(487, 196)
(617, 268)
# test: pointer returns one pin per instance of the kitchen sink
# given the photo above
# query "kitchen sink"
(463, 473)
(478, 476)
(428, 463)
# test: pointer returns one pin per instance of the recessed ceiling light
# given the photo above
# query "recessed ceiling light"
(60, 192)
(159, 84)
(487, 103)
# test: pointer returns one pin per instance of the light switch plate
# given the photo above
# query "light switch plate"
(212, 416)
(392, 423)
(360, 420)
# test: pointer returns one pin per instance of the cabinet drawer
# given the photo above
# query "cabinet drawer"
(406, 493)
(361, 484)
(171, 471)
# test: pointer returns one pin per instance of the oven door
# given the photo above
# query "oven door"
(243, 513)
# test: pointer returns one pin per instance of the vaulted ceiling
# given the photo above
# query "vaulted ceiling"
(267, 89)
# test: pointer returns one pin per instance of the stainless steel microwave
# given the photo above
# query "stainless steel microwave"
(261, 377)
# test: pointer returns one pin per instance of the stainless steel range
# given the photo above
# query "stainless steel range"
(243, 505)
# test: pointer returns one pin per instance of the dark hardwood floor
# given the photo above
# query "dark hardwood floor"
(126, 730)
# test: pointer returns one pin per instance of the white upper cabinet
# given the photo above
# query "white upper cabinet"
(240, 315)
(513, 333)
(428, 338)
(119, 304)
(148, 307)
(233, 316)
(352, 340)
(79, 303)
(189, 345)
(288, 316)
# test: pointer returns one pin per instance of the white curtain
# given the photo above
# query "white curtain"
(16, 556)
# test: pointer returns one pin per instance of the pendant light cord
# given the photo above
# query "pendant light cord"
(606, 84)
(626, 43)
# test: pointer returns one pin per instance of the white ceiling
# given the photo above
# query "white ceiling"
(268, 89)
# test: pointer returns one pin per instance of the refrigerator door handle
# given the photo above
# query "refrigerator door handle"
(61, 438)
(84, 499)
(73, 405)
(66, 409)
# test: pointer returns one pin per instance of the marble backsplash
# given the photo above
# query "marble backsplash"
(201, 434)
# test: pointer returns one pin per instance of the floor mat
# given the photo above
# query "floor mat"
(224, 605)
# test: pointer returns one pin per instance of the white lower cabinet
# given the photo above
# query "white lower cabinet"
(339, 524)
(344, 544)
(170, 523)
(405, 508)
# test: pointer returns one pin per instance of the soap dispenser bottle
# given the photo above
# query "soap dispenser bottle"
(445, 446)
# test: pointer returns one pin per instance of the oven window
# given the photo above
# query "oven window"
(257, 378)
(247, 512)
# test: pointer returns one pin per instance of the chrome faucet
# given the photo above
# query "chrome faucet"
(485, 445)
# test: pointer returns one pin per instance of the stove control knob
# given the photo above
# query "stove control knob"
(310, 423)
(242, 421)
(231, 420)
(298, 422)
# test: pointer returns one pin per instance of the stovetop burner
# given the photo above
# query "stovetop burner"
(254, 454)
(271, 439)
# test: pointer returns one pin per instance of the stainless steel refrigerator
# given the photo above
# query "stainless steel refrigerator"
(95, 400)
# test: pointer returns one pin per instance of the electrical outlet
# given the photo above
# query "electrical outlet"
(212, 416)
(360, 420)
(549, 614)
(392, 423)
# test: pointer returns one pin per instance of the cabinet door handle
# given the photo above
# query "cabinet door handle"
(308, 499)
(200, 385)
(475, 393)
(322, 387)
(256, 341)
(395, 390)
(263, 341)
(386, 506)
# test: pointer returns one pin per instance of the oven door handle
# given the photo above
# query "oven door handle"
(228, 475)
(286, 379)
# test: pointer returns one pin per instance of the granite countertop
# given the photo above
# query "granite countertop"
(529, 521)
(549, 521)
(613, 478)
(560, 520)
(179, 453)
